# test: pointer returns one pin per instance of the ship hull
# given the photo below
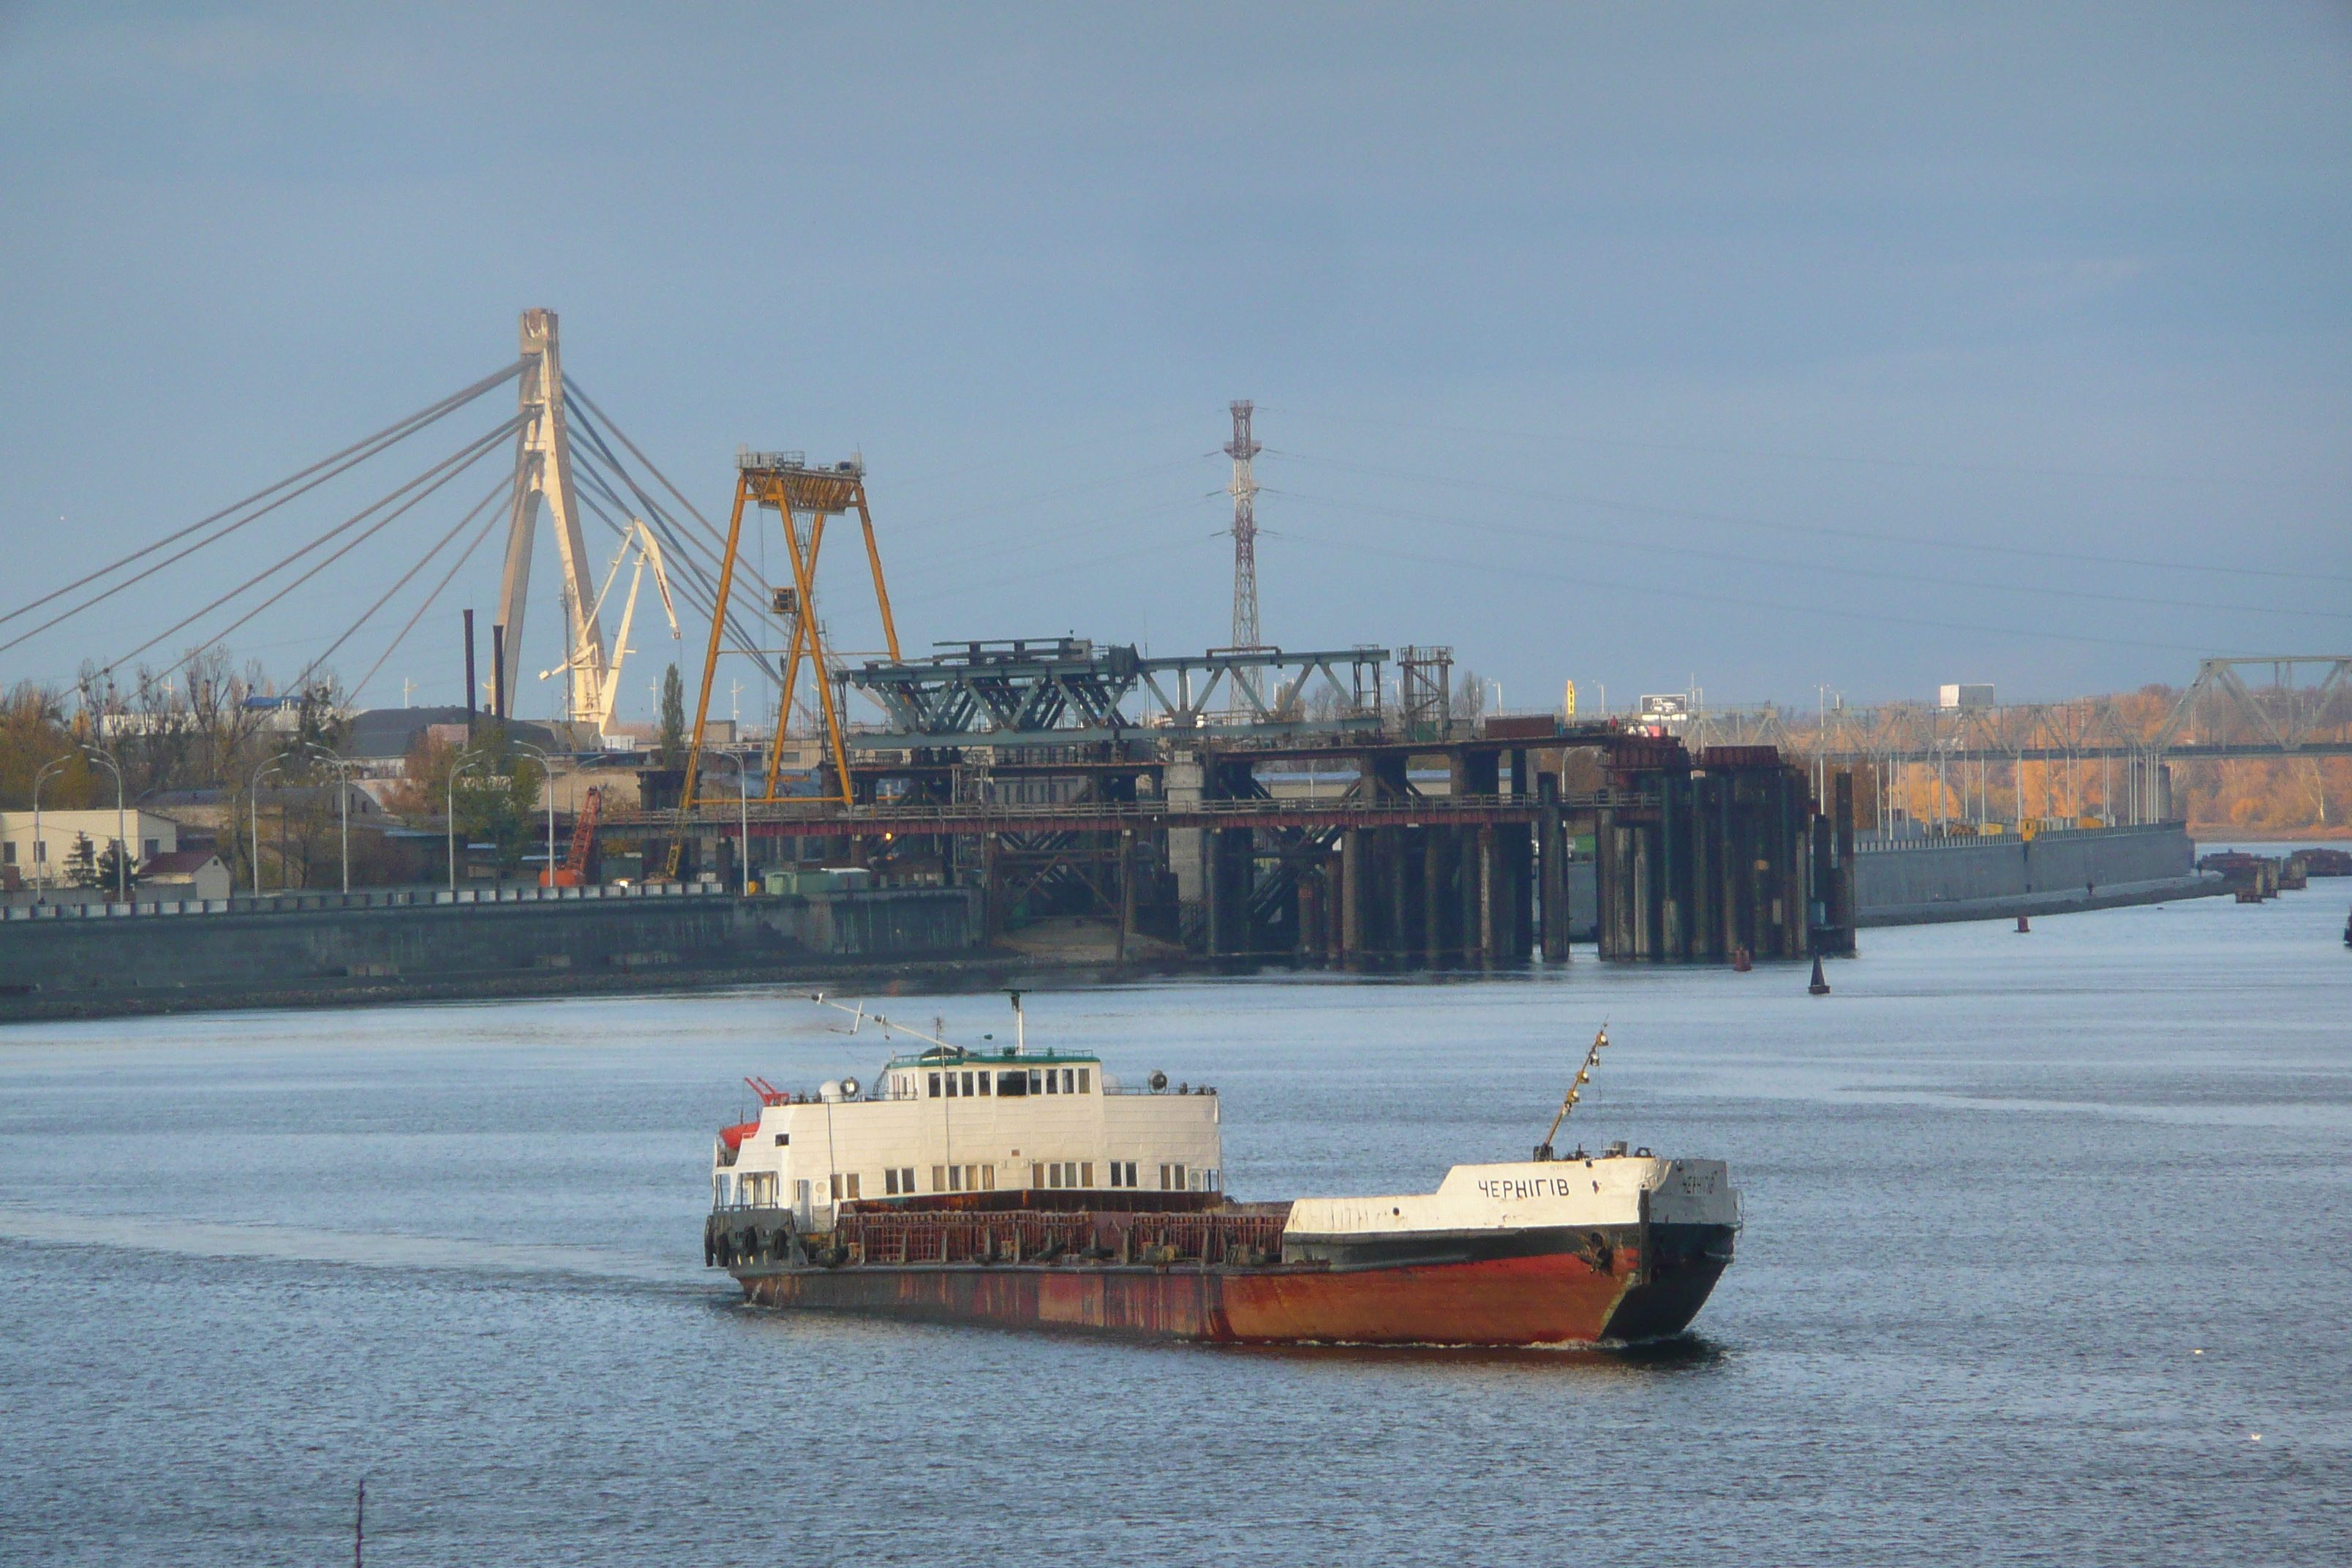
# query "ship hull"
(1589, 1285)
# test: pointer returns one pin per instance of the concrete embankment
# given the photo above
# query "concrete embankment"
(2057, 873)
(325, 949)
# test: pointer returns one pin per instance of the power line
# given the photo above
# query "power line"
(1518, 570)
(1693, 447)
(1057, 493)
(1455, 481)
(1839, 566)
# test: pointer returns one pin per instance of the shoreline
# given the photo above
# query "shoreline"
(983, 970)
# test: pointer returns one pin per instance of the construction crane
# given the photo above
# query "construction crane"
(639, 539)
(803, 498)
(574, 869)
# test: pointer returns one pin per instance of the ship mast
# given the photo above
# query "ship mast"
(1575, 1092)
(859, 1017)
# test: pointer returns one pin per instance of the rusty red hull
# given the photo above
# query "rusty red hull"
(1646, 1283)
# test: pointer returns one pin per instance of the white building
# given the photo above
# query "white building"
(189, 874)
(1966, 696)
(24, 861)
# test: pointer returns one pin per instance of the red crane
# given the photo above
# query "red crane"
(574, 869)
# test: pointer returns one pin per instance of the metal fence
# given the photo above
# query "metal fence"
(387, 899)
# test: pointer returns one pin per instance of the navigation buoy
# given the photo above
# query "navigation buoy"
(1821, 987)
(2021, 926)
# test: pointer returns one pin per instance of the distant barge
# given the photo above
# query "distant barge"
(1033, 1189)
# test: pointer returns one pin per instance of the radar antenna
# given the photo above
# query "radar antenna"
(1575, 1092)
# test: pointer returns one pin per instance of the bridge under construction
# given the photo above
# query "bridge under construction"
(1325, 805)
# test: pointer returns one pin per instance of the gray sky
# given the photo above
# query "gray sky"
(1773, 346)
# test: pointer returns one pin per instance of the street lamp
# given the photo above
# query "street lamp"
(342, 799)
(253, 816)
(41, 844)
(122, 845)
(743, 798)
(547, 789)
(463, 760)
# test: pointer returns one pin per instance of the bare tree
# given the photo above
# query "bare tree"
(1469, 695)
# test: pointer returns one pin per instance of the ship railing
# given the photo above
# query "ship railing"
(1052, 1236)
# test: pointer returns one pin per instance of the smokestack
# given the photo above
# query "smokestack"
(498, 673)
(469, 677)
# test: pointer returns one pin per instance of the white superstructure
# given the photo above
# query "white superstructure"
(1614, 1188)
(953, 1120)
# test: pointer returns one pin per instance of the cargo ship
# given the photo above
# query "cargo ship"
(1035, 1189)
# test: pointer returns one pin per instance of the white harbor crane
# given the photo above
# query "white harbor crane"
(639, 540)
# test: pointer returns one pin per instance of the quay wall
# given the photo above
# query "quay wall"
(94, 965)
(1991, 879)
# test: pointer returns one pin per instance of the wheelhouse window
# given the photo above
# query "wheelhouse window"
(935, 1086)
(1086, 1080)
(1015, 1083)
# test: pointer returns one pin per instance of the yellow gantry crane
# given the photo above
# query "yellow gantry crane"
(803, 498)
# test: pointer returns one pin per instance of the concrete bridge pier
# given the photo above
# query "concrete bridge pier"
(1551, 860)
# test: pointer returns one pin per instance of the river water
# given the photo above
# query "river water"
(2048, 1259)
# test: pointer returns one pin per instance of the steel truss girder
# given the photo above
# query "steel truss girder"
(1065, 691)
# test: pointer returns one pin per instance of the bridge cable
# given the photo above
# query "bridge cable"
(679, 539)
(447, 470)
(397, 431)
(758, 589)
(402, 636)
(697, 577)
(622, 436)
(693, 589)
(504, 485)
(105, 594)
